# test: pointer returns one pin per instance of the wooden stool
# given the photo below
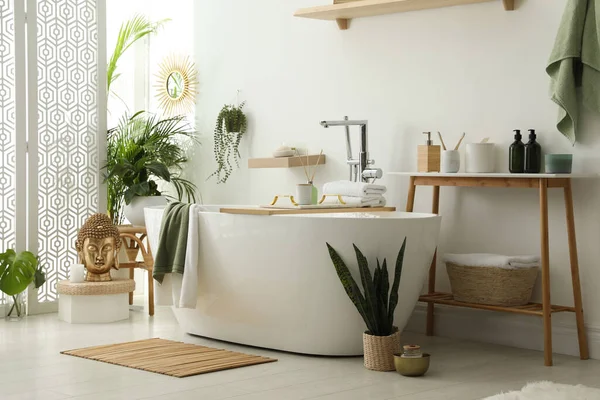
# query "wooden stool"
(133, 242)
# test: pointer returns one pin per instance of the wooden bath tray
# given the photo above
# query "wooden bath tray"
(283, 211)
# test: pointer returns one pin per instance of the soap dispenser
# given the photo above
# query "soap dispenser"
(428, 156)
(516, 155)
(533, 154)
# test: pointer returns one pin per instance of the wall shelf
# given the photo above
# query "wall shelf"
(342, 11)
(285, 162)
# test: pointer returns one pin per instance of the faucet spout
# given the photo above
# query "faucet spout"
(363, 157)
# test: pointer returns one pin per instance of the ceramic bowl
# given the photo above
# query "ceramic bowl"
(559, 163)
(283, 153)
(412, 366)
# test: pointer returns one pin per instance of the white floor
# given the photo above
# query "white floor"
(32, 368)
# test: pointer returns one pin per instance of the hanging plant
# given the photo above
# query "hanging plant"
(231, 126)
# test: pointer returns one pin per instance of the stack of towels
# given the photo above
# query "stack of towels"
(356, 194)
(493, 260)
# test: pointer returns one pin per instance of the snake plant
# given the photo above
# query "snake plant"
(378, 302)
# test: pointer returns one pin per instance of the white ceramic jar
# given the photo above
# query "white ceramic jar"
(480, 158)
(450, 161)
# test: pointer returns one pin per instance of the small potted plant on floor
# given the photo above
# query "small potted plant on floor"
(231, 126)
(376, 307)
(144, 150)
(17, 272)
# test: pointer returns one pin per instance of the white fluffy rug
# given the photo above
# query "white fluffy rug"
(550, 391)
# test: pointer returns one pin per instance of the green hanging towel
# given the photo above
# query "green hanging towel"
(172, 243)
(575, 63)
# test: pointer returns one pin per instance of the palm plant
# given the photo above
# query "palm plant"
(144, 150)
(375, 306)
(131, 31)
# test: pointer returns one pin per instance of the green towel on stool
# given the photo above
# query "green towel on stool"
(575, 63)
(172, 242)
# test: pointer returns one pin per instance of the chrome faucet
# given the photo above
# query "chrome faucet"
(359, 168)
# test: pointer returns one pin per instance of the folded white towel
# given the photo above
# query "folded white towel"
(354, 189)
(369, 201)
(492, 260)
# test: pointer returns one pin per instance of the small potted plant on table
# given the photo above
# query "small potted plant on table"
(382, 338)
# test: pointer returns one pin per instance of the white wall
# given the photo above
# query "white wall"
(472, 68)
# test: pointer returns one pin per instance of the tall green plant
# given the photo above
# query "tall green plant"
(131, 31)
(143, 150)
(229, 129)
(375, 306)
(17, 272)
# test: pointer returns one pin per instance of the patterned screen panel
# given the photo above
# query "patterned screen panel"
(68, 178)
(7, 126)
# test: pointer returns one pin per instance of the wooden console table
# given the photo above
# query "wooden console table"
(542, 182)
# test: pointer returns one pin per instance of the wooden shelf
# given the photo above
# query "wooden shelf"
(529, 309)
(285, 162)
(343, 11)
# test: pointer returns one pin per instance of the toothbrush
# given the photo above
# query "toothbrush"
(460, 141)
(442, 140)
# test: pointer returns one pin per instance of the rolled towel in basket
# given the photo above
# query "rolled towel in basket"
(492, 260)
(354, 189)
(369, 201)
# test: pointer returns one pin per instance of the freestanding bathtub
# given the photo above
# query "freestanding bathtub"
(268, 281)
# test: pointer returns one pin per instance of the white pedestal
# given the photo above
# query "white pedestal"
(96, 309)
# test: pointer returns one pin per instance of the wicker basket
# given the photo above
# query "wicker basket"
(492, 285)
(379, 351)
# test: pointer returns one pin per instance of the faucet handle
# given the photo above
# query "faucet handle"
(370, 162)
(372, 173)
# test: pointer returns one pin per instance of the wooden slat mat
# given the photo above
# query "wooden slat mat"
(168, 357)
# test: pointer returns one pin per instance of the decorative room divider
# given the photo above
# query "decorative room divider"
(52, 129)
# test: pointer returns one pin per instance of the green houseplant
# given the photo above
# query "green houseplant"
(376, 305)
(144, 150)
(17, 272)
(130, 32)
(229, 129)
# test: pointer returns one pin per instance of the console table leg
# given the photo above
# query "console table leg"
(547, 308)
(410, 201)
(435, 209)
(581, 334)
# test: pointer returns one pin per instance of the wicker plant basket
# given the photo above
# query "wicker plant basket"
(491, 285)
(379, 351)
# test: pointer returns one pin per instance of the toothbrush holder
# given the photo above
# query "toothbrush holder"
(450, 161)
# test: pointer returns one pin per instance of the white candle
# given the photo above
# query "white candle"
(76, 273)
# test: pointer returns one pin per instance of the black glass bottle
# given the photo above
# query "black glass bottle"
(516, 155)
(533, 155)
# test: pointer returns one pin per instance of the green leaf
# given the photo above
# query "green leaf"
(350, 286)
(17, 271)
(396, 285)
(159, 169)
(372, 306)
(39, 277)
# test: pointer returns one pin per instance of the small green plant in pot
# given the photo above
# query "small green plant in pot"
(17, 272)
(144, 150)
(231, 126)
(376, 306)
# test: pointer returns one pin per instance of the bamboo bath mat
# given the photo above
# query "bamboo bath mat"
(168, 357)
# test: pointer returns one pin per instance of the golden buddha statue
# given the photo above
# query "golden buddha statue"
(98, 244)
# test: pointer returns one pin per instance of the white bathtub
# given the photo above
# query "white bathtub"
(268, 281)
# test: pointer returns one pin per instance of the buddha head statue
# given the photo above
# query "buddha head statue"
(98, 244)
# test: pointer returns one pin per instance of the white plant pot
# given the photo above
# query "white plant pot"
(134, 211)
